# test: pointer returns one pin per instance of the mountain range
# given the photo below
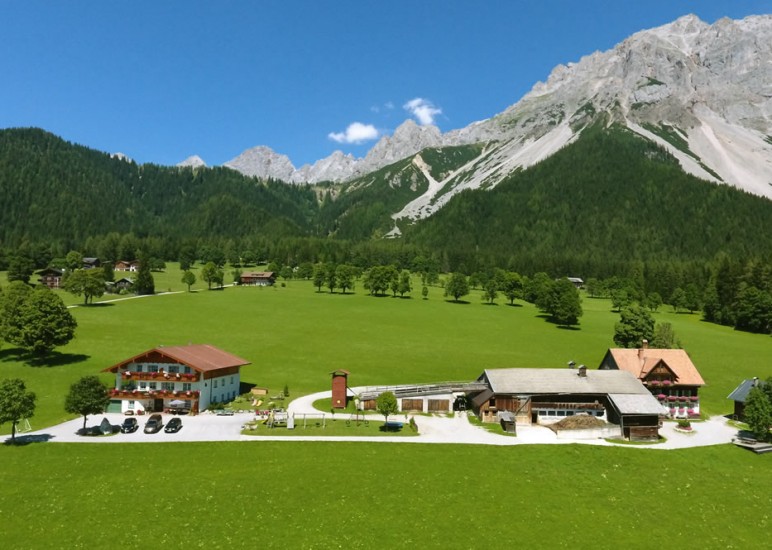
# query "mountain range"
(702, 92)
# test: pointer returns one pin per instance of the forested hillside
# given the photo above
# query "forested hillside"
(609, 198)
(52, 191)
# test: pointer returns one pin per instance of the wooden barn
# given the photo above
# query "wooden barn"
(545, 396)
(258, 278)
(740, 394)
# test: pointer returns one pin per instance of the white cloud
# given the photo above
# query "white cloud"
(423, 110)
(355, 133)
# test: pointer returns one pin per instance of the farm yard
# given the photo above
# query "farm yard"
(358, 495)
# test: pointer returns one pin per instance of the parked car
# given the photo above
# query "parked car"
(173, 425)
(129, 425)
(153, 424)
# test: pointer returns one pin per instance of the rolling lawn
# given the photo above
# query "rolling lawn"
(376, 495)
(293, 335)
(365, 495)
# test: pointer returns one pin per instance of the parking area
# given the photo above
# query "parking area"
(203, 427)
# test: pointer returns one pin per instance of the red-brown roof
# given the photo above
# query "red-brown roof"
(199, 357)
(257, 275)
(641, 361)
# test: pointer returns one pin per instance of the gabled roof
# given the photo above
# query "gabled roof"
(637, 403)
(562, 381)
(199, 357)
(258, 275)
(641, 361)
(740, 393)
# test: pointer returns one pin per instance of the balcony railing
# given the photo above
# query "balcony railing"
(191, 395)
(160, 376)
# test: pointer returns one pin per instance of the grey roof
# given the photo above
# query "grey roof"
(627, 403)
(740, 393)
(482, 397)
(559, 381)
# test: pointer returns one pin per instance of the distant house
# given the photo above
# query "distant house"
(50, 277)
(669, 374)
(182, 377)
(91, 263)
(740, 394)
(258, 278)
(576, 281)
(546, 396)
(124, 283)
(123, 265)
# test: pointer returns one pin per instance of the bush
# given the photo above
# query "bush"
(684, 424)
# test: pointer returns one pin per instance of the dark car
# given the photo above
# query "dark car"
(129, 425)
(153, 424)
(173, 425)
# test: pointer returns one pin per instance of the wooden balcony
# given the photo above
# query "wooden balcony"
(160, 376)
(191, 395)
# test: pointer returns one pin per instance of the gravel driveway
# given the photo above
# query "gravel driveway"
(432, 429)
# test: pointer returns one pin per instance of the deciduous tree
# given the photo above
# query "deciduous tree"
(88, 283)
(40, 323)
(635, 325)
(16, 403)
(87, 396)
(386, 404)
(457, 286)
(189, 279)
(758, 413)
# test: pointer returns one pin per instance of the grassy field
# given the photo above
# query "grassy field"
(374, 495)
(296, 336)
(363, 495)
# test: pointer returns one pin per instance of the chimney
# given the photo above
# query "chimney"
(582, 371)
(644, 347)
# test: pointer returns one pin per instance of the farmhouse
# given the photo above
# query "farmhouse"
(124, 265)
(740, 394)
(545, 396)
(175, 377)
(578, 282)
(258, 278)
(669, 374)
(91, 263)
(51, 277)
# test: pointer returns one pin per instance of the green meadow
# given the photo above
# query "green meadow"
(380, 495)
(296, 336)
(364, 495)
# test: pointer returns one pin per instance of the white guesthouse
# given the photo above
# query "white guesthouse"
(175, 377)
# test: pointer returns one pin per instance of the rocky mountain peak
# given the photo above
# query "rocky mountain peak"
(193, 161)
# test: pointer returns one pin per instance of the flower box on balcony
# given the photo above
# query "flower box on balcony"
(693, 398)
(672, 398)
(654, 382)
(666, 382)
(661, 396)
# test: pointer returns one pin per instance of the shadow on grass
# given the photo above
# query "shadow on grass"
(568, 327)
(22, 440)
(96, 305)
(54, 359)
(246, 387)
(514, 305)
(460, 302)
(490, 304)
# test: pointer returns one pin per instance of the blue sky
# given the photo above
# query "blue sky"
(162, 80)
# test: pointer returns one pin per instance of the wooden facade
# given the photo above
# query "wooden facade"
(339, 389)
